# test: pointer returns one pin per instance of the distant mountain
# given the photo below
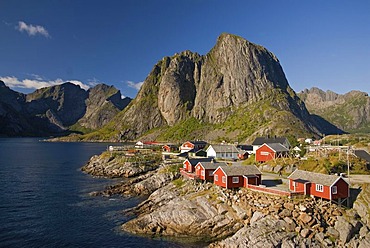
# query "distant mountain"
(102, 104)
(237, 91)
(350, 112)
(13, 117)
(57, 110)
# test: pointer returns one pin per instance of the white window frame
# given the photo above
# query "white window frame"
(202, 173)
(334, 190)
(223, 179)
(235, 179)
(216, 177)
(319, 188)
(263, 153)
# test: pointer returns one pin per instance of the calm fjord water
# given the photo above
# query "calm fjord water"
(45, 202)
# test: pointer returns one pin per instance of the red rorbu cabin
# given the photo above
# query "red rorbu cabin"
(190, 163)
(330, 187)
(271, 151)
(236, 176)
(170, 148)
(204, 170)
(192, 146)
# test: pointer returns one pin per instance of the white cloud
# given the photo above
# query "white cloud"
(93, 82)
(134, 85)
(32, 30)
(38, 82)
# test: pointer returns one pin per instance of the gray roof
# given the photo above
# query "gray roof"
(237, 170)
(225, 148)
(313, 177)
(212, 165)
(363, 154)
(198, 142)
(277, 147)
(261, 140)
(194, 161)
(245, 147)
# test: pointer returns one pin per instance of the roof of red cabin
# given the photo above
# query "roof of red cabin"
(212, 165)
(313, 177)
(276, 147)
(194, 161)
(241, 170)
(262, 140)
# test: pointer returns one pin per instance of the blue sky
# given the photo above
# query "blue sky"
(45, 42)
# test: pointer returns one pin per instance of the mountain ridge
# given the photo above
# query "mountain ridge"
(349, 111)
(57, 110)
(235, 80)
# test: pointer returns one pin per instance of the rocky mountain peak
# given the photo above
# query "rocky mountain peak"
(102, 104)
(53, 110)
(236, 74)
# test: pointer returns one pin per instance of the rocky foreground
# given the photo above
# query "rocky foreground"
(181, 208)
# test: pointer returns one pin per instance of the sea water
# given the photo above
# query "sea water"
(45, 201)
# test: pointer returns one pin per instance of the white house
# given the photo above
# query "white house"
(222, 151)
(139, 144)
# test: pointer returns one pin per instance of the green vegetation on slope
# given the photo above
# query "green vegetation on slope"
(185, 130)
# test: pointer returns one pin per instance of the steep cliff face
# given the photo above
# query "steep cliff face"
(102, 104)
(179, 78)
(57, 107)
(12, 119)
(235, 80)
(53, 110)
(350, 112)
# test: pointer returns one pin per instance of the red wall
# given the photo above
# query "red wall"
(263, 158)
(342, 189)
(220, 174)
(325, 194)
(188, 144)
(250, 181)
(166, 148)
(230, 183)
(259, 180)
(299, 186)
(188, 166)
(198, 171)
(207, 176)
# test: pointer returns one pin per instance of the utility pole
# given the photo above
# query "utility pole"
(348, 163)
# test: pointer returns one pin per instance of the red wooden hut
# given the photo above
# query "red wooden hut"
(271, 151)
(170, 148)
(330, 187)
(204, 170)
(236, 176)
(192, 145)
(190, 163)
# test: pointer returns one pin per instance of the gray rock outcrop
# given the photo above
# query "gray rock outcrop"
(105, 165)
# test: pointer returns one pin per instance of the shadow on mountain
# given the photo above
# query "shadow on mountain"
(324, 126)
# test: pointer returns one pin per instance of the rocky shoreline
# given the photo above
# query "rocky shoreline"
(182, 208)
